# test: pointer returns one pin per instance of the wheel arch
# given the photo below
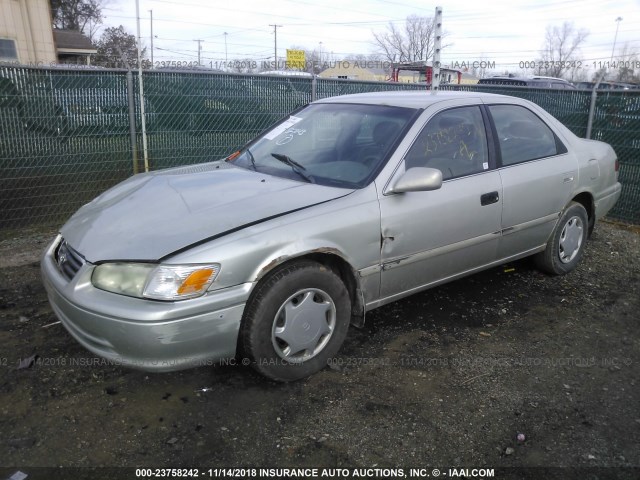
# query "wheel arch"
(586, 200)
(333, 260)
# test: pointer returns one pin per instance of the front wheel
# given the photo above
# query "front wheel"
(295, 321)
(566, 245)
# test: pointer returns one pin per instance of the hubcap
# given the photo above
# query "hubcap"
(570, 239)
(303, 325)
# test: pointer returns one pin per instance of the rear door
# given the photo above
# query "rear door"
(538, 177)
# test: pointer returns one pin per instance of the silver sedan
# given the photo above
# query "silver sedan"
(344, 206)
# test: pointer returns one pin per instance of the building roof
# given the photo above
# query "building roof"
(72, 40)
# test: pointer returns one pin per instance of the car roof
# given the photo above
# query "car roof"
(413, 99)
(524, 79)
(542, 77)
(505, 77)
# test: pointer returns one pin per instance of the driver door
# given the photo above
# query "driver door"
(432, 236)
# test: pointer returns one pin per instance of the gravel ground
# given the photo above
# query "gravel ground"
(447, 378)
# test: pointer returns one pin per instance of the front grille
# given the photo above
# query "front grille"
(68, 260)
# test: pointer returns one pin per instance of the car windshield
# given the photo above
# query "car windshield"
(339, 144)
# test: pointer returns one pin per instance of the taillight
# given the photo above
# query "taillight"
(617, 165)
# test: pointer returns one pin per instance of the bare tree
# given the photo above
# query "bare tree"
(82, 15)
(560, 50)
(627, 59)
(578, 74)
(412, 43)
(364, 59)
(480, 68)
(312, 60)
(117, 48)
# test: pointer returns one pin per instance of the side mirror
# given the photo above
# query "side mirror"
(418, 179)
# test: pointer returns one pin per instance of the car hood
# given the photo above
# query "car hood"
(153, 215)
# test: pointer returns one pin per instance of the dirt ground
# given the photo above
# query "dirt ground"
(445, 379)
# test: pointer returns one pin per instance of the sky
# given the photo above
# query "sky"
(503, 32)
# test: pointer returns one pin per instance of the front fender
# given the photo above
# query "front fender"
(347, 228)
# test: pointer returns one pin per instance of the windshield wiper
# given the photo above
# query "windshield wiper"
(253, 160)
(295, 166)
(235, 155)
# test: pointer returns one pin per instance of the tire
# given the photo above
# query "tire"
(284, 345)
(566, 245)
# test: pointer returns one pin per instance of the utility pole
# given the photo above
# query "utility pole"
(151, 13)
(199, 48)
(615, 38)
(275, 40)
(226, 57)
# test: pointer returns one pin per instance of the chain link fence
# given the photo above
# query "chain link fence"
(68, 135)
(62, 141)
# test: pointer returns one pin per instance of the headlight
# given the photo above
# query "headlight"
(124, 278)
(160, 282)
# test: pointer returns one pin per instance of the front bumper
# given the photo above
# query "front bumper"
(145, 334)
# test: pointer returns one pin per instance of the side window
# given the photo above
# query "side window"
(522, 135)
(454, 142)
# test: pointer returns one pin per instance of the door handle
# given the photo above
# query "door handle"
(489, 198)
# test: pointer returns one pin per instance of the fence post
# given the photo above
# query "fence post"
(132, 121)
(592, 109)
(314, 88)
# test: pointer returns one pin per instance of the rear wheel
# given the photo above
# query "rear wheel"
(296, 320)
(566, 245)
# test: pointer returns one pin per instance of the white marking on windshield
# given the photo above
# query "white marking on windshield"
(282, 127)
